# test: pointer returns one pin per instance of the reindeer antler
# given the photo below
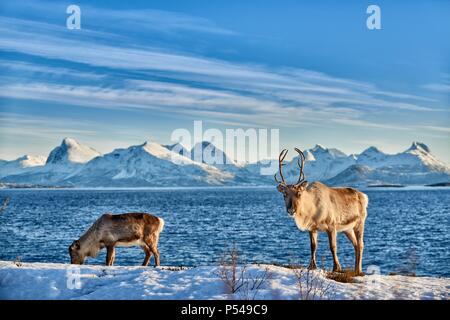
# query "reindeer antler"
(281, 157)
(301, 177)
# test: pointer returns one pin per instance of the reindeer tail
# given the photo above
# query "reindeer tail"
(161, 225)
(364, 200)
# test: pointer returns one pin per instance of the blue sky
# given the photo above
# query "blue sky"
(138, 70)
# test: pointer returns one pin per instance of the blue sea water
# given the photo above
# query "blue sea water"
(406, 230)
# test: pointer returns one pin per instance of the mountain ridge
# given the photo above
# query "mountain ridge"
(152, 164)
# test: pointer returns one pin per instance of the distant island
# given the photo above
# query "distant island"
(29, 186)
(440, 184)
(385, 186)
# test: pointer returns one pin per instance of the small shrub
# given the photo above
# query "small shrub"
(229, 273)
(240, 280)
(312, 285)
(18, 261)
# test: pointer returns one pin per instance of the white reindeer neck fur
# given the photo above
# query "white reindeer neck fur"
(304, 216)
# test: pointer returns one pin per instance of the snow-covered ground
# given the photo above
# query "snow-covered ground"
(63, 281)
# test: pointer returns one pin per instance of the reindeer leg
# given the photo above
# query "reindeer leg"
(152, 243)
(352, 237)
(155, 252)
(113, 258)
(333, 247)
(110, 255)
(359, 232)
(148, 255)
(313, 241)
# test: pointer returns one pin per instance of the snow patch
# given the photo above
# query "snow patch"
(56, 281)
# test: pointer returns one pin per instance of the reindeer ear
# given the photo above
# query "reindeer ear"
(280, 188)
(75, 245)
(303, 185)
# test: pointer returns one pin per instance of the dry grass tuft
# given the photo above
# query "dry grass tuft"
(18, 261)
(403, 273)
(345, 276)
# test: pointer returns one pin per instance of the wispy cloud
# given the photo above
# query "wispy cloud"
(369, 124)
(157, 20)
(439, 87)
(442, 85)
(18, 124)
(20, 69)
(120, 21)
(206, 87)
(171, 98)
(436, 128)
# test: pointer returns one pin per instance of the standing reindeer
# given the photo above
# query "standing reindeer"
(317, 207)
(126, 229)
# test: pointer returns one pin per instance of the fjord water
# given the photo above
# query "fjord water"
(406, 230)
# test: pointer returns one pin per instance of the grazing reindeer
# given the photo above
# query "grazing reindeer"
(317, 207)
(126, 229)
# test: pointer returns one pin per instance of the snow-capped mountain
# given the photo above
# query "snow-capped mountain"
(355, 174)
(20, 165)
(371, 156)
(70, 153)
(416, 165)
(151, 164)
(178, 148)
(62, 161)
(148, 164)
(207, 153)
(418, 156)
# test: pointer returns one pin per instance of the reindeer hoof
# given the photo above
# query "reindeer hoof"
(312, 266)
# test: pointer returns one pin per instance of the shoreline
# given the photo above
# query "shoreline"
(366, 188)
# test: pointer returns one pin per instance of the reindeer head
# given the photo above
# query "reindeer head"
(292, 192)
(75, 255)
